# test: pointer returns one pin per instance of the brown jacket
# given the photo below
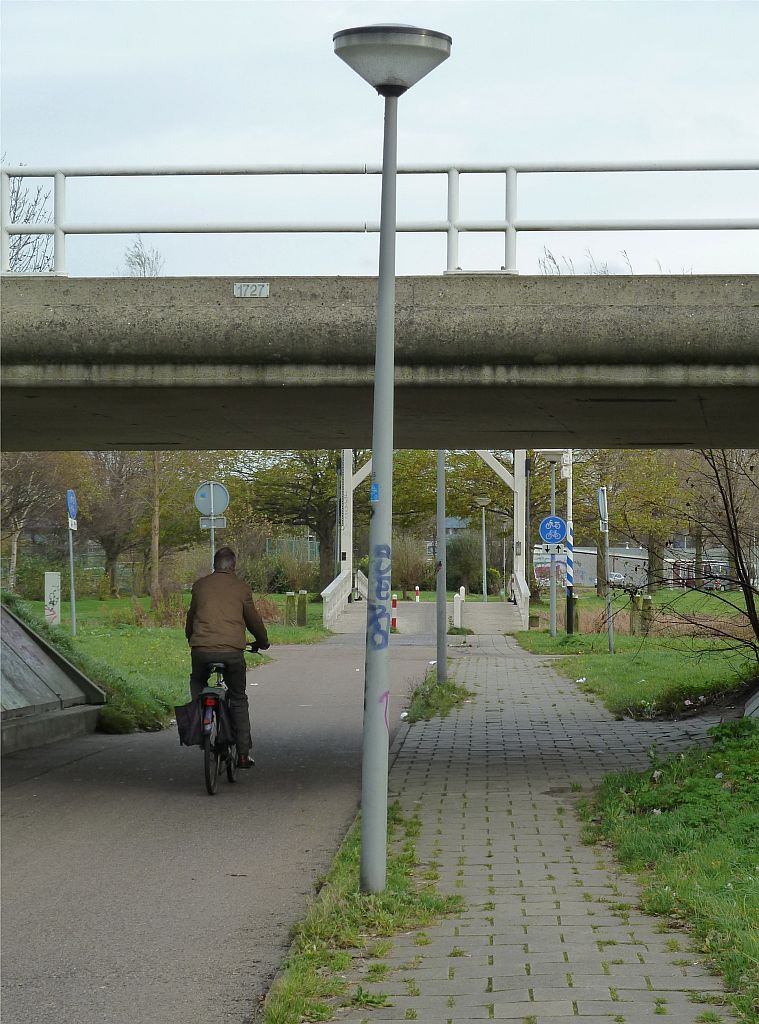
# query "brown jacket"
(221, 607)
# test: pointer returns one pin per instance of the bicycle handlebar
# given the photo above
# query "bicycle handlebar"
(254, 648)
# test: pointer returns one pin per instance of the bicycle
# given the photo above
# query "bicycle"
(215, 728)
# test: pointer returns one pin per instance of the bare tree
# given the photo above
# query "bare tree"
(116, 487)
(143, 260)
(29, 253)
(722, 509)
(31, 485)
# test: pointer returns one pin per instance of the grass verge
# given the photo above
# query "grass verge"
(648, 677)
(143, 699)
(312, 985)
(691, 825)
(143, 669)
(432, 698)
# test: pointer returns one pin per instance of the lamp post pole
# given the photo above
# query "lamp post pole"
(484, 559)
(483, 502)
(440, 575)
(391, 58)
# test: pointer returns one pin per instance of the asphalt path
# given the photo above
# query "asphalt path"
(131, 896)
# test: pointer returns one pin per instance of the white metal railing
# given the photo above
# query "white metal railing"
(522, 595)
(452, 224)
(335, 598)
(362, 585)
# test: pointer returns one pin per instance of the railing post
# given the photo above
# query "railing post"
(510, 262)
(59, 214)
(452, 262)
(5, 217)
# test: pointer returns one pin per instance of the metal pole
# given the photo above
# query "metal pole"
(71, 584)
(570, 554)
(377, 686)
(213, 532)
(609, 617)
(528, 553)
(510, 255)
(452, 246)
(442, 608)
(484, 560)
(59, 216)
(553, 553)
(603, 507)
(5, 216)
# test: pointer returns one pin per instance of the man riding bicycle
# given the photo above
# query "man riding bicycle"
(220, 609)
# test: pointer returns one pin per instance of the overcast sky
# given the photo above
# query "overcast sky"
(153, 82)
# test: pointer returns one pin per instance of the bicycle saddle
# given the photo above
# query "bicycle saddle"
(217, 666)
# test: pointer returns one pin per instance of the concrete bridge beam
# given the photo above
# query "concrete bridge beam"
(482, 361)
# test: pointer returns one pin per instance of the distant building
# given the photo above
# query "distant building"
(632, 562)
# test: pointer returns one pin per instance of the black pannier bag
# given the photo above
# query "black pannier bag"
(189, 724)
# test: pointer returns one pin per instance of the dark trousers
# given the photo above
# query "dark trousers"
(234, 677)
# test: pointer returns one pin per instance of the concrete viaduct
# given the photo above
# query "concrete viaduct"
(482, 361)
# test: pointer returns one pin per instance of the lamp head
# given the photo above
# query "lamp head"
(392, 58)
(482, 502)
(551, 454)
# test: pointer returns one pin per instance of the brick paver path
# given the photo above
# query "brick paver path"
(551, 932)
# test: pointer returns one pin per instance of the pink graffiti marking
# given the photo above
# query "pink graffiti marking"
(386, 699)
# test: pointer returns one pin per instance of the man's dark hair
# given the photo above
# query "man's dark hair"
(224, 559)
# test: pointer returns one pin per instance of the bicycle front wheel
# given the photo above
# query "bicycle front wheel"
(211, 757)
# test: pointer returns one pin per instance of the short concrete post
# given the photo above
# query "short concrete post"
(462, 592)
(636, 614)
(302, 614)
(457, 611)
(290, 617)
(647, 614)
(53, 598)
(575, 616)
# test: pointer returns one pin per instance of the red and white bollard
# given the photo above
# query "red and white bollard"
(393, 619)
(416, 591)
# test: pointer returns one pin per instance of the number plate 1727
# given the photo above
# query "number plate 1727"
(251, 290)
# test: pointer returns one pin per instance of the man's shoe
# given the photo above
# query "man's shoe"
(245, 761)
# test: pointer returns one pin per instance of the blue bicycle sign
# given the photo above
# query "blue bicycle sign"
(552, 530)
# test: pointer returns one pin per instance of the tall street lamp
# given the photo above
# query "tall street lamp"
(483, 503)
(391, 58)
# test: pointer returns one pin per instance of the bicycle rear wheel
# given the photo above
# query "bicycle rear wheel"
(211, 756)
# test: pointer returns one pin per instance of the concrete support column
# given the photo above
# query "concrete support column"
(346, 513)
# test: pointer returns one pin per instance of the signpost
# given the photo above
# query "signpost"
(211, 500)
(603, 511)
(72, 510)
(553, 531)
(566, 474)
